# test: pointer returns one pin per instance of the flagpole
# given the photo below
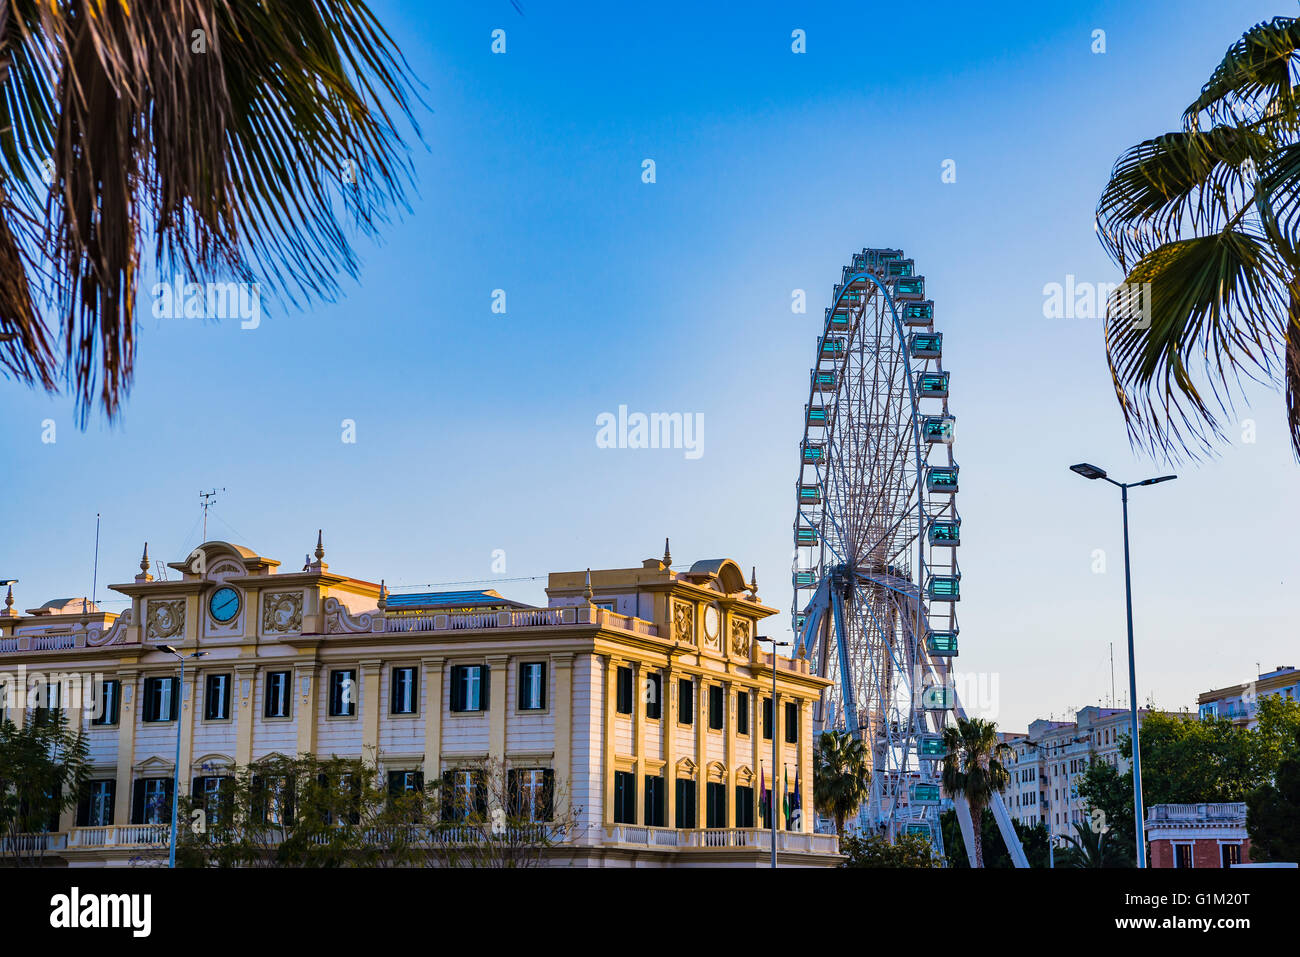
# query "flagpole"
(771, 802)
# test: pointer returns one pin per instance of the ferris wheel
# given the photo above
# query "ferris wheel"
(877, 533)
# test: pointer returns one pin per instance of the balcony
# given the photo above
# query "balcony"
(1226, 813)
(755, 839)
(127, 835)
(338, 621)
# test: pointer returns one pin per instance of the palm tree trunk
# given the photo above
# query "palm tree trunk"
(839, 825)
(976, 815)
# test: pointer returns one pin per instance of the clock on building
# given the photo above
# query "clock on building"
(224, 604)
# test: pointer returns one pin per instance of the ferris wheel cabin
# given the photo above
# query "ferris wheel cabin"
(938, 428)
(941, 478)
(926, 345)
(941, 644)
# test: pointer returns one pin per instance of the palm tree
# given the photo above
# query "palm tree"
(841, 776)
(973, 768)
(1209, 215)
(233, 133)
(1089, 848)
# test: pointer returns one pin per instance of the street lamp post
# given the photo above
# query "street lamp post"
(176, 770)
(1092, 472)
(771, 808)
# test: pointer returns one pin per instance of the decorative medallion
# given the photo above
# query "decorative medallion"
(712, 626)
(166, 619)
(282, 612)
(740, 637)
(684, 622)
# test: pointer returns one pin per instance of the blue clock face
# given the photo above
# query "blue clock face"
(224, 604)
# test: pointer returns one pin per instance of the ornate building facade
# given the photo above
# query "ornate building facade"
(641, 692)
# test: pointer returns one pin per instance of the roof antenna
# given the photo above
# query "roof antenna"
(94, 578)
(206, 501)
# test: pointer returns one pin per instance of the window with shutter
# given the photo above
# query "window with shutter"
(654, 683)
(685, 701)
(624, 690)
(685, 800)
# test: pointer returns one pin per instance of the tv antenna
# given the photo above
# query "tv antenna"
(206, 501)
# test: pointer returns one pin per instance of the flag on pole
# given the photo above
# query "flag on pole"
(785, 796)
(762, 791)
(796, 804)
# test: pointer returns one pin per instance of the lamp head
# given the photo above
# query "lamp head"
(1088, 471)
(167, 648)
(1157, 481)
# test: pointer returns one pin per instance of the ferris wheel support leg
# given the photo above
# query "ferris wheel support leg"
(846, 678)
(1009, 835)
(967, 827)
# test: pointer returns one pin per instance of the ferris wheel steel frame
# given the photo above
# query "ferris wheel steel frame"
(869, 624)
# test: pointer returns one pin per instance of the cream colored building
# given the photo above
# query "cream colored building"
(640, 693)
(1050, 762)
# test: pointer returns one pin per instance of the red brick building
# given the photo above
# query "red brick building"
(1197, 835)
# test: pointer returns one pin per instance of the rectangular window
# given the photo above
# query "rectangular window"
(624, 690)
(686, 701)
(466, 797)
(404, 691)
(214, 794)
(532, 686)
(654, 689)
(110, 703)
(791, 723)
(151, 801)
(715, 804)
(95, 809)
(470, 685)
(159, 697)
(531, 794)
(276, 695)
(742, 714)
(685, 802)
(343, 693)
(767, 719)
(716, 703)
(1182, 855)
(216, 697)
(1231, 854)
(744, 806)
(624, 797)
(404, 782)
(654, 802)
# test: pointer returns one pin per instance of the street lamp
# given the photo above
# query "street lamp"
(176, 771)
(1092, 472)
(771, 808)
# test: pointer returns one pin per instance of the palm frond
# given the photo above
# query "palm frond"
(1256, 76)
(224, 127)
(1217, 302)
(1182, 180)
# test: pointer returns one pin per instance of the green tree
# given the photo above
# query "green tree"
(43, 766)
(1092, 848)
(1273, 812)
(973, 768)
(224, 140)
(298, 812)
(1104, 789)
(910, 850)
(1033, 839)
(841, 776)
(1187, 760)
(1209, 215)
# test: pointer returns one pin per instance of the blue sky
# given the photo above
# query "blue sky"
(476, 431)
